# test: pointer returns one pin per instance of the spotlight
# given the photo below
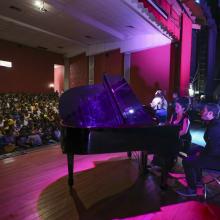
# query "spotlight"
(51, 85)
(191, 90)
(39, 4)
(131, 111)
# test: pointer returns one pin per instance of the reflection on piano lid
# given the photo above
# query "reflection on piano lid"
(110, 104)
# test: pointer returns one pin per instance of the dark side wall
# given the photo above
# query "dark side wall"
(79, 70)
(111, 62)
(108, 62)
(32, 70)
(150, 71)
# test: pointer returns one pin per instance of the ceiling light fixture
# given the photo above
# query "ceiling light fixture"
(41, 5)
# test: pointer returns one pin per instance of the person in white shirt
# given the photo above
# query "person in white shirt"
(159, 104)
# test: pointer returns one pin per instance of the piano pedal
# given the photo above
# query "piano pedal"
(146, 171)
(129, 153)
(164, 186)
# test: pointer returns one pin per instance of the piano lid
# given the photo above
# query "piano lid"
(110, 104)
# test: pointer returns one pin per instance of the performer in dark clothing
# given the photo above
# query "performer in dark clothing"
(180, 117)
(208, 157)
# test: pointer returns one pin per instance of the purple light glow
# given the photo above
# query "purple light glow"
(23, 203)
(131, 111)
(190, 210)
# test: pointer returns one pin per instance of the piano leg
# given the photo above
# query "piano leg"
(143, 162)
(164, 177)
(168, 164)
(70, 169)
(129, 153)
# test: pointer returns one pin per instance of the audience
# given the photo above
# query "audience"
(28, 120)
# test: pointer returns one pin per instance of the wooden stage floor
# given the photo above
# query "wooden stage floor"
(107, 186)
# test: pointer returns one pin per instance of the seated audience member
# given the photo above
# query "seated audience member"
(46, 136)
(9, 140)
(56, 133)
(2, 141)
(34, 138)
(1, 122)
(159, 104)
(208, 157)
(22, 137)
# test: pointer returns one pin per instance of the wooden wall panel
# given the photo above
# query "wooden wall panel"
(150, 70)
(111, 62)
(79, 71)
(32, 71)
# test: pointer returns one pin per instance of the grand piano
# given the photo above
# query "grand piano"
(107, 118)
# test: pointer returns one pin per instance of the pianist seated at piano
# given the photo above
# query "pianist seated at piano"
(179, 118)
